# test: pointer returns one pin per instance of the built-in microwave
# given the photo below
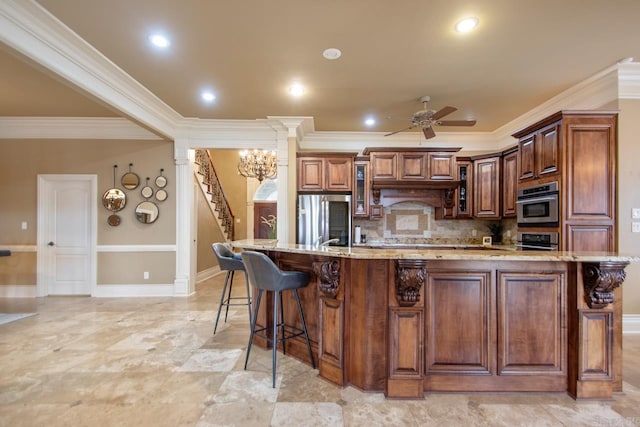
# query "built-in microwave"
(538, 206)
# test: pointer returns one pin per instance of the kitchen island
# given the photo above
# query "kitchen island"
(408, 321)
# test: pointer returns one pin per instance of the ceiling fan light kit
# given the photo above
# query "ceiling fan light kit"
(426, 119)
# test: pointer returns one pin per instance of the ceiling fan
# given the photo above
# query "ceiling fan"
(425, 119)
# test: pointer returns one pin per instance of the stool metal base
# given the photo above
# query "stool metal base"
(274, 340)
(226, 300)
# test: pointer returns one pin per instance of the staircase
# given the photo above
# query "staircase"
(208, 179)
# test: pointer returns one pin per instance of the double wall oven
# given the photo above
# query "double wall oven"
(538, 212)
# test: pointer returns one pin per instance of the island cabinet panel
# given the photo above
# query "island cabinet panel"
(458, 322)
(366, 320)
(406, 329)
(330, 281)
(531, 325)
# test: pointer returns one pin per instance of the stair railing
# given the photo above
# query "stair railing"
(219, 199)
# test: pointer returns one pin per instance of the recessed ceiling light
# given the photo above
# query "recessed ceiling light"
(332, 53)
(296, 89)
(159, 40)
(466, 25)
(370, 121)
(208, 96)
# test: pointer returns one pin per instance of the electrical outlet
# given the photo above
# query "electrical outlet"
(474, 233)
(635, 227)
(635, 213)
(146, 275)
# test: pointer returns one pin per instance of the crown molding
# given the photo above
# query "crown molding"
(629, 80)
(298, 127)
(209, 133)
(31, 30)
(72, 128)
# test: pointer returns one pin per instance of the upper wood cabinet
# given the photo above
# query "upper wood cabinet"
(412, 165)
(325, 171)
(509, 182)
(539, 154)
(579, 150)
(361, 187)
(486, 194)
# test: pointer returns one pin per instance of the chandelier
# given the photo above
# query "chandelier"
(258, 164)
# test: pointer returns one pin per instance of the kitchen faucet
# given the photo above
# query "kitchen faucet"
(326, 243)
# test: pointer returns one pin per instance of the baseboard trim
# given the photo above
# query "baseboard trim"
(631, 323)
(18, 291)
(115, 291)
(207, 274)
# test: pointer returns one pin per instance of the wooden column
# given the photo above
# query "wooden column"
(406, 330)
(331, 322)
(597, 339)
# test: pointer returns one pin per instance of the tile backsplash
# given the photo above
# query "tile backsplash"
(415, 223)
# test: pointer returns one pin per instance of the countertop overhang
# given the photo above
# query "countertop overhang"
(436, 252)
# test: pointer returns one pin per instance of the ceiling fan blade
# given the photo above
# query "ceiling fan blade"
(456, 122)
(401, 130)
(443, 112)
(428, 132)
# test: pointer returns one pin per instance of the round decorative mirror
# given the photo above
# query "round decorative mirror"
(161, 181)
(147, 212)
(161, 195)
(114, 199)
(130, 180)
(113, 220)
(146, 192)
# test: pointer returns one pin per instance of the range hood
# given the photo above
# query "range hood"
(415, 185)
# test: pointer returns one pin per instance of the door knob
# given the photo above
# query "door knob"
(51, 244)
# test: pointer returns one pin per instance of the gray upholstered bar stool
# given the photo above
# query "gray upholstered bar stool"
(264, 275)
(230, 262)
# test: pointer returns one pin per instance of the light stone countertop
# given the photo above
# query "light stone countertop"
(434, 252)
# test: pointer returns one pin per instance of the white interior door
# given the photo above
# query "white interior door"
(67, 217)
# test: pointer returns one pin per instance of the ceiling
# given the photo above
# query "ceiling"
(249, 52)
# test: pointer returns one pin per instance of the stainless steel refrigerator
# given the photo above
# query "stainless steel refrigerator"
(323, 217)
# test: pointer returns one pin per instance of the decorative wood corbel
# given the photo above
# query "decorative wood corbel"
(448, 198)
(328, 273)
(410, 276)
(376, 196)
(600, 280)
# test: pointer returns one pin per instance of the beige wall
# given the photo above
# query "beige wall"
(629, 197)
(208, 233)
(234, 186)
(22, 160)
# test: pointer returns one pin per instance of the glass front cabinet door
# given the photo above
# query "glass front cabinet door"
(361, 188)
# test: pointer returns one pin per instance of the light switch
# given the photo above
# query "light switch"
(635, 227)
(24, 225)
(146, 275)
(635, 213)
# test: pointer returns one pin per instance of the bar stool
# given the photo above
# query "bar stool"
(266, 276)
(230, 262)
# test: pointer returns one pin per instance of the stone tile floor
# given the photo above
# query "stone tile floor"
(154, 362)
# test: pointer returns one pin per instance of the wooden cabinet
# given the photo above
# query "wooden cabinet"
(486, 187)
(325, 172)
(412, 165)
(361, 187)
(509, 182)
(462, 195)
(539, 154)
(579, 150)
